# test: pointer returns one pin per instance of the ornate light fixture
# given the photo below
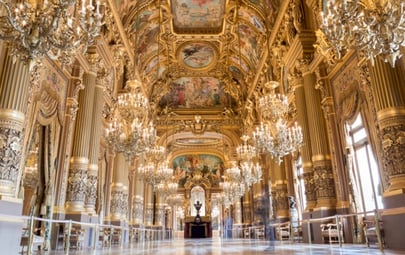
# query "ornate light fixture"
(53, 28)
(372, 27)
(128, 132)
(274, 136)
(250, 172)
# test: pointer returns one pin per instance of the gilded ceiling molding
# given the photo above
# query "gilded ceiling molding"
(120, 29)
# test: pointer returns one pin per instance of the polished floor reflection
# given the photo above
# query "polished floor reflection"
(218, 246)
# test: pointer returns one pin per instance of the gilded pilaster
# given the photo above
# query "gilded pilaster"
(297, 82)
(338, 166)
(77, 180)
(322, 169)
(119, 190)
(95, 138)
(14, 77)
(389, 98)
(247, 208)
(238, 213)
(280, 192)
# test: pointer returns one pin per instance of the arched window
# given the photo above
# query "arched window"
(364, 173)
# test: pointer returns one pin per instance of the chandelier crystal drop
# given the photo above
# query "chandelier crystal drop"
(372, 27)
(57, 29)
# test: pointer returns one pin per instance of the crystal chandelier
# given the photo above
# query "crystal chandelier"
(167, 189)
(273, 105)
(250, 172)
(273, 135)
(128, 132)
(279, 139)
(246, 151)
(372, 27)
(53, 28)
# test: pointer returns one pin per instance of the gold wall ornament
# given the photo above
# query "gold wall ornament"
(56, 29)
(375, 28)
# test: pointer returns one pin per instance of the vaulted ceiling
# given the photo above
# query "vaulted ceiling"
(199, 61)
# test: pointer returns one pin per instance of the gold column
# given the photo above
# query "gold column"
(297, 83)
(138, 198)
(322, 166)
(108, 181)
(328, 106)
(247, 207)
(94, 149)
(119, 190)
(280, 192)
(149, 210)
(79, 162)
(14, 83)
(389, 97)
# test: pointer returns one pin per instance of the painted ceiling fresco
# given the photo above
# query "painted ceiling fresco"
(185, 166)
(197, 55)
(192, 92)
(197, 13)
(202, 45)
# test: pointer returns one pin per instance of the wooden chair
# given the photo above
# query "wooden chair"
(331, 233)
(283, 231)
(372, 232)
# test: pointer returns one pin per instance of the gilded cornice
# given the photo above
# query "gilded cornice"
(121, 30)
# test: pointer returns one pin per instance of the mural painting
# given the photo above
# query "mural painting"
(253, 19)
(195, 92)
(147, 42)
(197, 13)
(197, 55)
(210, 167)
(248, 41)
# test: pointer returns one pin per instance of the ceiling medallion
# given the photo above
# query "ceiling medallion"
(197, 55)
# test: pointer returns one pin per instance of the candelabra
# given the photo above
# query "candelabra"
(53, 28)
(372, 27)
(128, 132)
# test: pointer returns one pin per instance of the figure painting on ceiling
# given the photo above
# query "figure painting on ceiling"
(197, 55)
(210, 166)
(195, 92)
(197, 13)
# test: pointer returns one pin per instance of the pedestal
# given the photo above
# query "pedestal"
(10, 229)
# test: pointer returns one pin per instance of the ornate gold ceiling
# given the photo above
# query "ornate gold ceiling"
(198, 58)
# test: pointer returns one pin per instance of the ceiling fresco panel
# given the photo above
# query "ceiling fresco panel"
(189, 15)
(195, 92)
(197, 55)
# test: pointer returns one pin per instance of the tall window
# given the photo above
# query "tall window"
(364, 172)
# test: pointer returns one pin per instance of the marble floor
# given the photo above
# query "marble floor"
(219, 246)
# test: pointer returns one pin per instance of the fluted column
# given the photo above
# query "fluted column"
(14, 85)
(119, 190)
(138, 200)
(94, 149)
(79, 162)
(238, 212)
(280, 195)
(340, 174)
(321, 160)
(389, 98)
(247, 207)
(297, 83)
(149, 209)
